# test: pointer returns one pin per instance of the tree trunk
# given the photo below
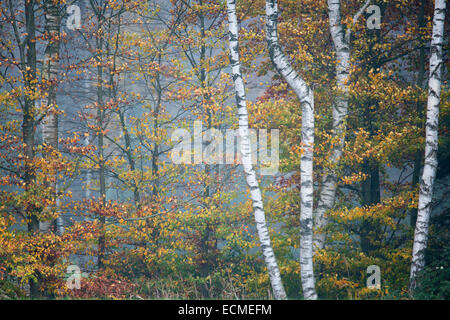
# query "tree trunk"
(329, 179)
(431, 143)
(49, 77)
(28, 126)
(370, 231)
(101, 169)
(341, 41)
(100, 146)
(419, 108)
(306, 97)
(245, 148)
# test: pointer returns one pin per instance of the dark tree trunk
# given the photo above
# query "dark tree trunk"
(370, 196)
(419, 108)
(28, 126)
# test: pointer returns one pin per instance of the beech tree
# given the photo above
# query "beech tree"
(164, 215)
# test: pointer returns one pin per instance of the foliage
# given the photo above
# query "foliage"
(148, 228)
(433, 281)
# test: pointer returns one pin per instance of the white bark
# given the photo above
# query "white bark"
(431, 143)
(306, 97)
(245, 148)
(341, 41)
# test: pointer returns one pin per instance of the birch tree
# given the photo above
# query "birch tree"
(49, 75)
(431, 143)
(245, 148)
(306, 96)
(341, 41)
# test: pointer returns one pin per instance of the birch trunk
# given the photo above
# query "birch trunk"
(431, 143)
(49, 75)
(306, 97)
(341, 41)
(245, 148)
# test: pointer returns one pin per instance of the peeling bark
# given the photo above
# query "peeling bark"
(245, 148)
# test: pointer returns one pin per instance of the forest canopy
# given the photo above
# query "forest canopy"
(224, 149)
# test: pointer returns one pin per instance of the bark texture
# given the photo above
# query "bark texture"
(245, 148)
(50, 79)
(341, 41)
(306, 97)
(431, 143)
